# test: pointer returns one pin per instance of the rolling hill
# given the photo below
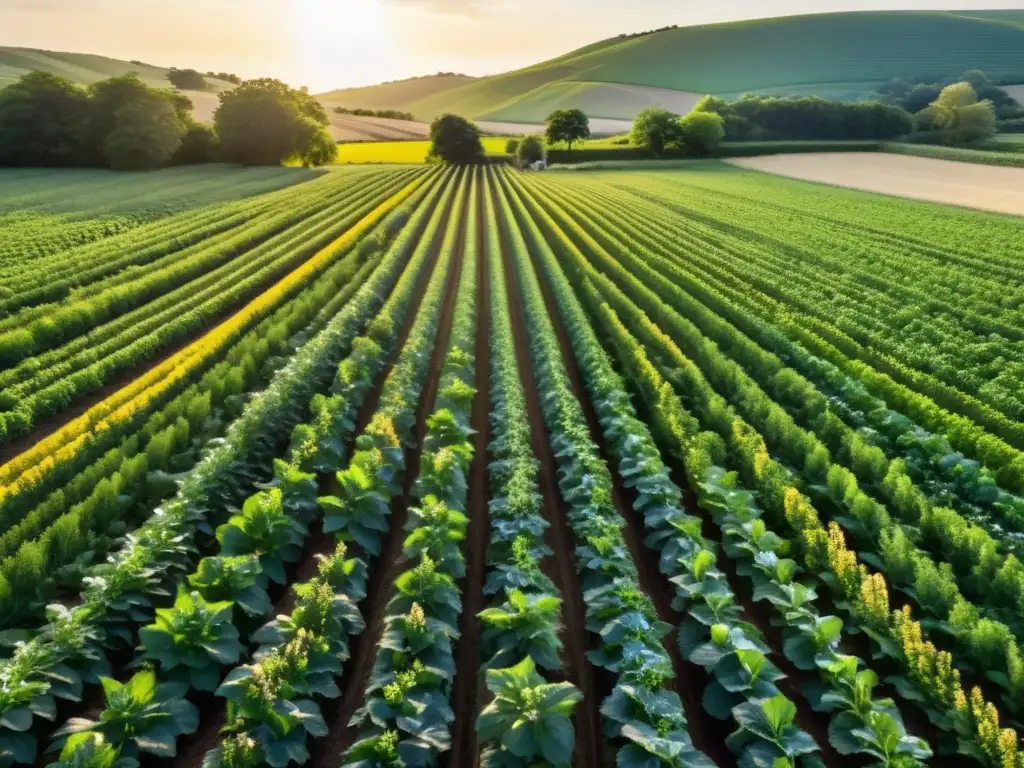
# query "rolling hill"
(86, 68)
(841, 55)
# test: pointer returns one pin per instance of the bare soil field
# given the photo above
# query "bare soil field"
(599, 126)
(353, 128)
(968, 185)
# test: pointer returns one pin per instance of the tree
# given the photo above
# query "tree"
(568, 125)
(702, 132)
(198, 145)
(512, 147)
(187, 79)
(264, 122)
(41, 121)
(109, 97)
(146, 135)
(655, 129)
(530, 151)
(455, 141)
(960, 116)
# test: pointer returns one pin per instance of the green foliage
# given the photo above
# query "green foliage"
(655, 129)
(198, 145)
(187, 79)
(455, 141)
(702, 132)
(147, 134)
(264, 122)
(512, 146)
(528, 720)
(568, 126)
(529, 151)
(140, 716)
(192, 640)
(960, 116)
(41, 121)
(757, 118)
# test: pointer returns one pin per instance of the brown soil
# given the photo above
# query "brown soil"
(562, 571)
(465, 696)
(708, 734)
(326, 753)
(969, 185)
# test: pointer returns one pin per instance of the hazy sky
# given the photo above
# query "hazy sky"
(334, 43)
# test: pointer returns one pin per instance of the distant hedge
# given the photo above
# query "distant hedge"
(727, 149)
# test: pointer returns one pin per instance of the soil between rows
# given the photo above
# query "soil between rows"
(708, 734)
(466, 696)
(327, 753)
(213, 712)
(562, 571)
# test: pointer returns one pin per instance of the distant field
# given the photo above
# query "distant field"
(969, 185)
(399, 152)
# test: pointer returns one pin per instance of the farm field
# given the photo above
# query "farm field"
(971, 184)
(398, 152)
(454, 467)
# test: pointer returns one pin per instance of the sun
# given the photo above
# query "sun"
(341, 41)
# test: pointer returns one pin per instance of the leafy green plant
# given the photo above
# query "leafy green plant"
(89, 750)
(437, 530)
(431, 588)
(265, 529)
(652, 723)
(232, 579)
(140, 717)
(360, 511)
(767, 734)
(382, 750)
(269, 701)
(192, 640)
(524, 625)
(529, 719)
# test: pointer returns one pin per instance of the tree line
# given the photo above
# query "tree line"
(123, 124)
(391, 114)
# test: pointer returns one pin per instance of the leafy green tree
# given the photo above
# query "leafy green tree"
(147, 133)
(41, 121)
(655, 129)
(198, 145)
(264, 122)
(512, 147)
(530, 150)
(568, 125)
(455, 140)
(702, 132)
(109, 97)
(187, 79)
(960, 116)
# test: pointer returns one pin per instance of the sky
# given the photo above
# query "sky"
(327, 44)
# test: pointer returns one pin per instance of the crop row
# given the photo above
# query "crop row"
(773, 482)
(54, 380)
(254, 544)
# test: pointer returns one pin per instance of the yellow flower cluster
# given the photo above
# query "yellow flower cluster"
(998, 745)
(843, 563)
(932, 668)
(873, 606)
(799, 512)
(29, 468)
(383, 427)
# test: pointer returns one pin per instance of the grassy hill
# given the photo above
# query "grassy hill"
(82, 68)
(393, 95)
(838, 54)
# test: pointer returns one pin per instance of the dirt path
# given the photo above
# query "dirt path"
(560, 568)
(465, 696)
(969, 185)
(327, 753)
